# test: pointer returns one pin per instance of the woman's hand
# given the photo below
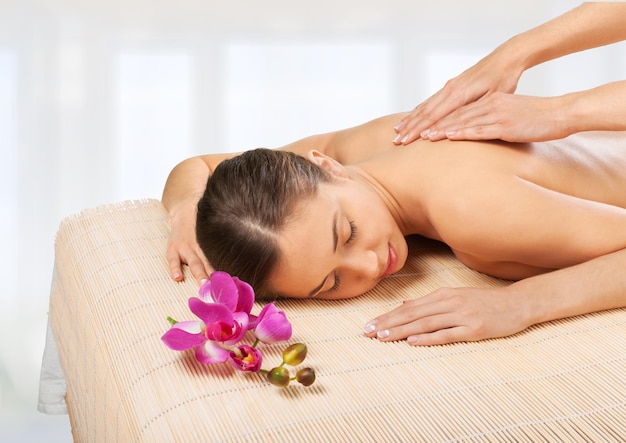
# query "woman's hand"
(509, 117)
(183, 188)
(182, 248)
(451, 315)
(494, 73)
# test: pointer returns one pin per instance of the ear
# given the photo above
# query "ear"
(330, 165)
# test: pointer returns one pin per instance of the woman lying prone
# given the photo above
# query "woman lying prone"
(297, 226)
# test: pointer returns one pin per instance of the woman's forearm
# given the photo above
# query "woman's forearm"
(590, 25)
(185, 183)
(598, 109)
(596, 285)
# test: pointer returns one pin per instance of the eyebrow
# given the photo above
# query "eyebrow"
(335, 244)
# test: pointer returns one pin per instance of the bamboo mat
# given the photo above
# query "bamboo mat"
(559, 381)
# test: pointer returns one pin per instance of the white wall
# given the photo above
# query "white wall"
(99, 99)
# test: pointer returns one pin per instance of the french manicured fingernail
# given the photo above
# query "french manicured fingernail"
(369, 327)
(450, 133)
(404, 139)
(176, 277)
(203, 281)
(397, 138)
(431, 134)
(412, 339)
(398, 126)
(383, 334)
(424, 133)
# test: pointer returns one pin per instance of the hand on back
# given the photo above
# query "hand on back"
(489, 75)
(508, 117)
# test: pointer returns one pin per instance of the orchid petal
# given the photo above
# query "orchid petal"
(205, 292)
(224, 290)
(272, 325)
(210, 312)
(267, 309)
(184, 335)
(252, 321)
(246, 296)
(240, 328)
(211, 352)
(219, 331)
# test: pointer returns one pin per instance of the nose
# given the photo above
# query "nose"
(361, 265)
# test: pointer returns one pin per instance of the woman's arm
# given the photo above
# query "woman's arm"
(451, 315)
(183, 188)
(599, 109)
(518, 118)
(456, 110)
(590, 25)
(513, 228)
(509, 227)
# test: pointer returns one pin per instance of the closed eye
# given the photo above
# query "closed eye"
(352, 232)
(337, 284)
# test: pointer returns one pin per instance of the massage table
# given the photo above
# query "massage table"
(105, 363)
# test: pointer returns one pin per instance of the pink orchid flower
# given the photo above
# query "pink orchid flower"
(218, 325)
(236, 295)
(272, 325)
(221, 324)
(186, 335)
(246, 358)
(224, 310)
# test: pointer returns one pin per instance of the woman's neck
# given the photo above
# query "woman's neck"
(409, 216)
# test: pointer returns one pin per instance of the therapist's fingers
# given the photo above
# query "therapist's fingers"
(426, 114)
(508, 117)
(474, 121)
(491, 74)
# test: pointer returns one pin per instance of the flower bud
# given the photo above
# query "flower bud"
(306, 376)
(295, 354)
(279, 376)
(272, 325)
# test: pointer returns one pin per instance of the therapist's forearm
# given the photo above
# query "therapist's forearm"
(590, 25)
(598, 109)
(596, 285)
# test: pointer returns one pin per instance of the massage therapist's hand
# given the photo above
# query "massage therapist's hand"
(508, 117)
(494, 73)
(182, 248)
(451, 315)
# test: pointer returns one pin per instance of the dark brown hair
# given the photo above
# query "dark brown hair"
(247, 201)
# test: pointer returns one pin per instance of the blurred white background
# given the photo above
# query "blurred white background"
(99, 99)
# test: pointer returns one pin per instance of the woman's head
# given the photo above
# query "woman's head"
(299, 227)
(247, 201)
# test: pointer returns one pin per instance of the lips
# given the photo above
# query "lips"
(392, 260)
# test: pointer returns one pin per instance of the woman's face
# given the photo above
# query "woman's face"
(339, 244)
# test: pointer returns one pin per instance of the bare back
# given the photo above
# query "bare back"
(513, 210)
